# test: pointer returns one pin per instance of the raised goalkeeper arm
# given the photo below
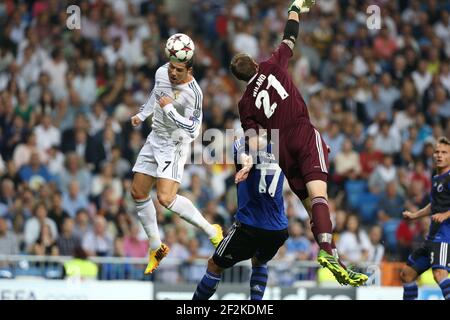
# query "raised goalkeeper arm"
(292, 25)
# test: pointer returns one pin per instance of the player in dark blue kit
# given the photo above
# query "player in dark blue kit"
(434, 251)
(260, 226)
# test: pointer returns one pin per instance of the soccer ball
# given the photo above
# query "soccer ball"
(180, 48)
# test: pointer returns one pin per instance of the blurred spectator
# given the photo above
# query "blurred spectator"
(56, 67)
(388, 93)
(384, 45)
(8, 239)
(245, 41)
(85, 82)
(168, 272)
(74, 170)
(22, 153)
(388, 139)
(47, 135)
(106, 179)
(376, 104)
(407, 97)
(334, 140)
(7, 194)
(376, 248)
(67, 241)
(133, 146)
(75, 122)
(83, 223)
(80, 266)
(370, 158)
(121, 167)
(200, 193)
(417, 197)
(46, 104)
(119, 250)
(57, 212)
(281, 273)
(347, 164)
(405, 159)
(121, 223)
(297, 245)
(97, 118)
(73, 199)
(133, 246)
(353, 244)
(35, 173)
(420, 176)
(421, 77)
(34, 229)
(114, 52)
(45, 245)
(340, 218)
(55, 162)
(24, 109)
(193, 271)
(384, 173)
(98, 242)
(87, 149)
(391, 204)
(407, 231)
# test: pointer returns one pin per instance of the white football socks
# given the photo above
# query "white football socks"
(146, 213)
(187, 211)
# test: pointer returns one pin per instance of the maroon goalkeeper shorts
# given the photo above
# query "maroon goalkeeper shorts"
(303, 157)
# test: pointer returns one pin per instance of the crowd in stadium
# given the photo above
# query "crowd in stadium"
(379, 97)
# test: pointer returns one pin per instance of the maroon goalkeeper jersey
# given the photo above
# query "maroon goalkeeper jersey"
(271, 99)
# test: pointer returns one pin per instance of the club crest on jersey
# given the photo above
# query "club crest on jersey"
(440, 188)
(176, 94)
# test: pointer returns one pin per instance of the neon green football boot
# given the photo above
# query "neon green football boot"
(331, 263)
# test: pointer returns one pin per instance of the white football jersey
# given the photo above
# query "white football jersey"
(186, 114)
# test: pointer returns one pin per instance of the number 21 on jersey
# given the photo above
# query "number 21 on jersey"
(263, 97)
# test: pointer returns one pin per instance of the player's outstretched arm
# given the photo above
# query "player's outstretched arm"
(418, 214)
(292, 25)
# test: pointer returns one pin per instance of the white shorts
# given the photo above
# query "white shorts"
(162, 158)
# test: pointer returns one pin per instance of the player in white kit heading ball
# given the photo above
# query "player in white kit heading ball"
(176, 106)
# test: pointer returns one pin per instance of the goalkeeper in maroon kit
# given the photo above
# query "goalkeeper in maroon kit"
(272, 102)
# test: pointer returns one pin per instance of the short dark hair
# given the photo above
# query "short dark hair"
(242, 66)
(443, 140)
(190, 63)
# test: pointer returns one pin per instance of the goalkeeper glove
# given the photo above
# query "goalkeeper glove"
(301, 6)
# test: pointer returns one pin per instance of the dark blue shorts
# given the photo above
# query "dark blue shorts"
(244, 242)
(430, 254)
